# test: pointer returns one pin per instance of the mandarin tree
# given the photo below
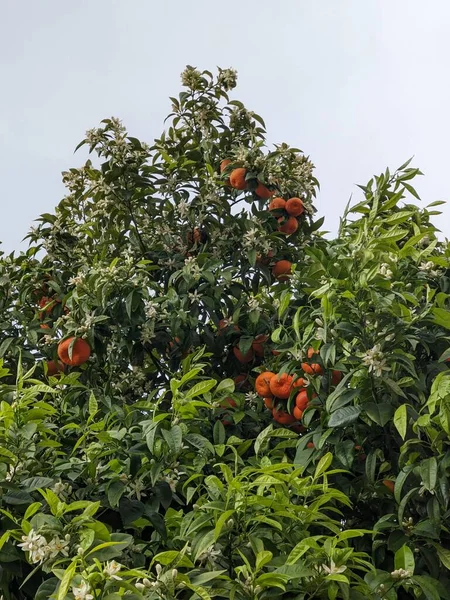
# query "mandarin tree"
(202, 396)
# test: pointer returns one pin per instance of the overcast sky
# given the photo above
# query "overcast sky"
(357, 84)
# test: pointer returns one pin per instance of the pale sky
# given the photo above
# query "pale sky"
(357, 84)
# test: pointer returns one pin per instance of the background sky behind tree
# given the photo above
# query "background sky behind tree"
(357, 85)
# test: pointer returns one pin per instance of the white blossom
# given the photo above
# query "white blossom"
(228, 79)
(111, 569)
(58, 546)
(210, 554)
(194, 296)
(192, 268)
(428, 268)
(82, 591)
(333, 569)
(60, 488)
(137, 489)
(375, 360)
(400, 574)
(36, 545)
(151, 310)
(183, 209)
(190, 77)
(385, 271)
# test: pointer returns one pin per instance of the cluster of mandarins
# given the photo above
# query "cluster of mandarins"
(286, 211)
(277, 389)
(72, 351)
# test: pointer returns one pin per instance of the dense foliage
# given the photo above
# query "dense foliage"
(204, 397)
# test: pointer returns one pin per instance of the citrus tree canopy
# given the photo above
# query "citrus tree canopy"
(203, 396)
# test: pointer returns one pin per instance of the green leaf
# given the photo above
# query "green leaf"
(401, 420)
(93, 405)
(371, 465)
(344, 416)
(441, 317)
(428, 587)
(380, 413)
(173, 558)
(226, 386)
(404, 559)
(301, 548)
(262, 437)
(46, 589)
(200, 388)
(199, 591)
(323, 464)
(284, 302)
(221, 522)
(115, 491)
(219, 433)
(66, 580)
(205, 577)
(32, 509)
(394, 387)
(33, 483)
(428, 473)
(263, 558)
(444, 555)
(112, 549)
(4, 538)
(174, 438)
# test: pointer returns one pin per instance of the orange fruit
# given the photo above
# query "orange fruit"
(172, 343)
(44, 326)
(313, 368)
(262, 384)
(196, 236)
(237, 179)
(175, 345)
(222, 325)
(49, 303)
(310, 445)
(257, 344)
(228, 403)
(281, 385)
(81, 351)
(243, 358)
(336, 376)
(282, 417)
(277, 204)
(310, 353)
(268, 403)
(289, 226)
(389, 484)
(44, 301)
(297, 412)
(294, 207)
(224, 164)
(264, 260)
(54, 367)
(301, 400)
(282, 269)
(263, 192)
(300, 383)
